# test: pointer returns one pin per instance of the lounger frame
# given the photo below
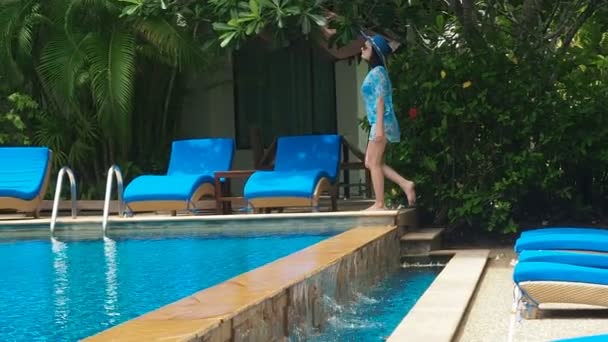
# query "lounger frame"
(323, 186)
(173, 206)
(536, 293)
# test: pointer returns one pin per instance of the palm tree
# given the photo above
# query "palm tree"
(80, 59)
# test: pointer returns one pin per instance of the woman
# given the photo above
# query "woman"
(377, 94)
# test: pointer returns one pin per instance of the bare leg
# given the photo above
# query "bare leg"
(406, 185)
(373, 161)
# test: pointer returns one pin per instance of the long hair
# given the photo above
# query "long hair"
(375, 60)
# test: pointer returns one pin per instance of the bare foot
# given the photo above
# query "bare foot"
(375, 207)
(410, 193)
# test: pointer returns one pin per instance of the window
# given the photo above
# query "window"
(285, 91)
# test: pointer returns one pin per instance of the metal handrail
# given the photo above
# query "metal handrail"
(64, 170)
(114, 170)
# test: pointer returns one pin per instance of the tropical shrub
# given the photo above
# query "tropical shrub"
(88, 63)
(501, 102)
(15, 124)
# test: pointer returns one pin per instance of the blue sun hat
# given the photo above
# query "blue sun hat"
(380, 45)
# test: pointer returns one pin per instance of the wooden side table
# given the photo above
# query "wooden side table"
(223, 198)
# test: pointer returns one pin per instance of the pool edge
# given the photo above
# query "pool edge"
(91, 227)
(271, 301)
(437, 315)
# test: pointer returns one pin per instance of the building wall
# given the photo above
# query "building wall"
(209, 108)
(350, 108)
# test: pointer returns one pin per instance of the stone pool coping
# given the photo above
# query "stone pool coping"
(17, 220)
(438, 313)
(232, 308)
(90, 227)
(119, 222)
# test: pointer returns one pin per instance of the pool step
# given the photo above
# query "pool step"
(421, 241)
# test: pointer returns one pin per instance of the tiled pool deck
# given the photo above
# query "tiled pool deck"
(447, 298)
(489, 315)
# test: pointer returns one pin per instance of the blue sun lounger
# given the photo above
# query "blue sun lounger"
(189, 177)
(594, 260)
(564, 230)
(563, 238)
(24, 176)
(544, 277)
(305, 168)
(591, 338)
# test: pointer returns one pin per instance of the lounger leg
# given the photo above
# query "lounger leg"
(334, 198)
(36, 213)
(173, 213)
(530, 310)
(522, 306)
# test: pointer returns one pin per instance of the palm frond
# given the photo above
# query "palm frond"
(73, 144)
(12, 14)
(151, 53)
(175, 44)
(60, 62)
(86, 139)
(25, 36)
(55, 10)
(51, 132)
(112, 71)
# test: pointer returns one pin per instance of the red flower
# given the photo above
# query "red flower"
(413, 113)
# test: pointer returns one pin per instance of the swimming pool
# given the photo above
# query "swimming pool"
(64, 291)
(375, 313)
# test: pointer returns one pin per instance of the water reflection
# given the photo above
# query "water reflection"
(60, 283)
(111, 297)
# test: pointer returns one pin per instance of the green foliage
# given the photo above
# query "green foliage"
(13, 124)
(505, 134)
(283, 19)
(510, 95)
(82, 60)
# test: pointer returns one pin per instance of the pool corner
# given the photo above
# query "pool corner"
(438, 313)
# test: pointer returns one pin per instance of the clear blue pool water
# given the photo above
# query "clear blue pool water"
(374, 315)
(65, 291)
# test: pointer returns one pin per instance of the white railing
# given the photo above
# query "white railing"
(114, 170)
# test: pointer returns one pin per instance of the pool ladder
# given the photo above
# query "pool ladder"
(64, 170)
(114, 170)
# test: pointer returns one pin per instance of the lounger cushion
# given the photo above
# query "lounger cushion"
(192, 163)
(283, 183)
(571, 258)
(22, 171)
(164, 188)
(552, 271)
(564, 230)
(592, 338)
(572, 241)
(300, 162)
(309, 152)
(197, 156)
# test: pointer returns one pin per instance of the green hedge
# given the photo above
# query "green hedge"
(497, 142)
